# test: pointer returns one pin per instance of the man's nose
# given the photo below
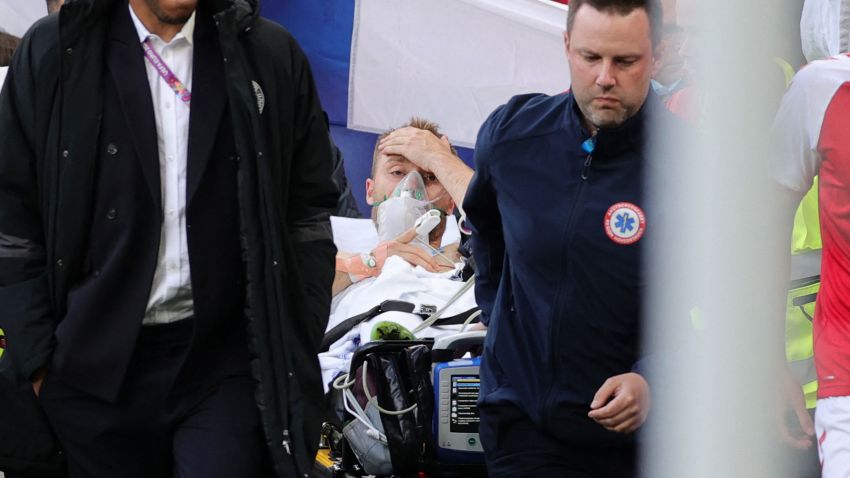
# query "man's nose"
(605, 78)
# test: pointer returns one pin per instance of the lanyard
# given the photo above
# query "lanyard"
(165, 72)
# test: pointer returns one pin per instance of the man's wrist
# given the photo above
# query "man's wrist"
(359, 266)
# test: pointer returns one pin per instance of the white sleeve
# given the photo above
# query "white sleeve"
(797, 126)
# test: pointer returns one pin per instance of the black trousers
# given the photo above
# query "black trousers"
(158, 427)
(515, 448)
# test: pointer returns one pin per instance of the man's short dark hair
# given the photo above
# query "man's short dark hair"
(8, 43)
(622, 7)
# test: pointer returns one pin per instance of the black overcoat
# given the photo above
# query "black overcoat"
(50, 111)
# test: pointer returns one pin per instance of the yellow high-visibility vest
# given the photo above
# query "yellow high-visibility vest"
(806, 234)
(800, 307)
(799, 353)
(805, 283)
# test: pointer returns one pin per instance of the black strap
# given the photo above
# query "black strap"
(803, 282)
(804, 299)
(343, 327)
(456, 319)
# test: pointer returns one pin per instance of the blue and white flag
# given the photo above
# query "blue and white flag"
(377, 63)
(451, 61)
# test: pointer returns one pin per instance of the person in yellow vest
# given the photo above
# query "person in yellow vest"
(803, 288)
(799, 351)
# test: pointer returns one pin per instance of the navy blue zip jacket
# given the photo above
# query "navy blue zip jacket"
(558, 238)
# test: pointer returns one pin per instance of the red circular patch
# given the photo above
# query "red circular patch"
(624, 223)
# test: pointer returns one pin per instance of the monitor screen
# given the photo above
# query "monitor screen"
(463, 410)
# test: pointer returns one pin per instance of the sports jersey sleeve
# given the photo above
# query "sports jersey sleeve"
(798, 123)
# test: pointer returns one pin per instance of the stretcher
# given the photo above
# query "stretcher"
(407, 408)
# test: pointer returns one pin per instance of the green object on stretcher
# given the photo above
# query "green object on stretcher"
(387, 330)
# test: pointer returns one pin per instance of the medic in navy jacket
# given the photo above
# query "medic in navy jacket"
(559, 228)
(560, 222)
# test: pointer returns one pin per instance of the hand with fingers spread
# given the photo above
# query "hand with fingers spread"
(419, 146)
(432, 153)
(622, 403)
(354, 267)
(412, 253)
(802, 438)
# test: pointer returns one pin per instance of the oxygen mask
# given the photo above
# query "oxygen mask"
(407, 203)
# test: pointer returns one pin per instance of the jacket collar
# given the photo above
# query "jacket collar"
(628, 136)
(78, 17)
(209, 94)
(126, 64)
(242, 13)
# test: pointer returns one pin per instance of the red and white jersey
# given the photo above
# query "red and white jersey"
(812, 135)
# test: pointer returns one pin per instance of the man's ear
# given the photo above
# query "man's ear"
(566, 42)
(370, 188)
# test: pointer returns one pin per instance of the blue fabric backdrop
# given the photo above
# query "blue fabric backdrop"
(323, 28)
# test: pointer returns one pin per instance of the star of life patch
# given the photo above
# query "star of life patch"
(624, 223)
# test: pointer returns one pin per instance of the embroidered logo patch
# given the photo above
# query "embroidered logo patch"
(261, 97)
(624, 223)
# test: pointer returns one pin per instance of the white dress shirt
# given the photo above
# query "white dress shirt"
(171, 292)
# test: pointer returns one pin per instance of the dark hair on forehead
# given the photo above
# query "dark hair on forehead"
(622, 7)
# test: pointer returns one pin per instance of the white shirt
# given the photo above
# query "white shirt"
(171, 292)
(3, 70)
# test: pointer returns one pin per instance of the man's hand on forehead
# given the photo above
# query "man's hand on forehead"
(435, 160)
(419, 146)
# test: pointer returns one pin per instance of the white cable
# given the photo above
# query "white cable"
(342, 386)
(374, 402)
(461, 224)
(470, 319)
(433, 250)
(436, 315)
(349, 400)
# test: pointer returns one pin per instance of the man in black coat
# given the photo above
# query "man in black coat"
(165, 251)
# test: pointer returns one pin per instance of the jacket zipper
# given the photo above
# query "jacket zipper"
(567, 237)
(571, 219)
(585, 171)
